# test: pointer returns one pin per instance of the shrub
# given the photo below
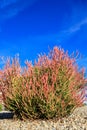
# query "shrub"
(11, 69)
(0, 107)
(51, 88)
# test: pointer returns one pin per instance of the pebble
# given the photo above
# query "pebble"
(76, 121)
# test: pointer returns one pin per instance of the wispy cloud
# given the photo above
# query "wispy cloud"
(10, 8)
(69, 31)
(76, 27)
(56, 38)
(4, 3)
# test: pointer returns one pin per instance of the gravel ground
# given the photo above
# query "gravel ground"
(76, 121)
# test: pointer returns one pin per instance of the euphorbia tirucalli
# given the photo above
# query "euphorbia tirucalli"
(11, 69)
(51, 88)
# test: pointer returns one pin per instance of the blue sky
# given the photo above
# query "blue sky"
(29, 27)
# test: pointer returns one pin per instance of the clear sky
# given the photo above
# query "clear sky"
(28, 27)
